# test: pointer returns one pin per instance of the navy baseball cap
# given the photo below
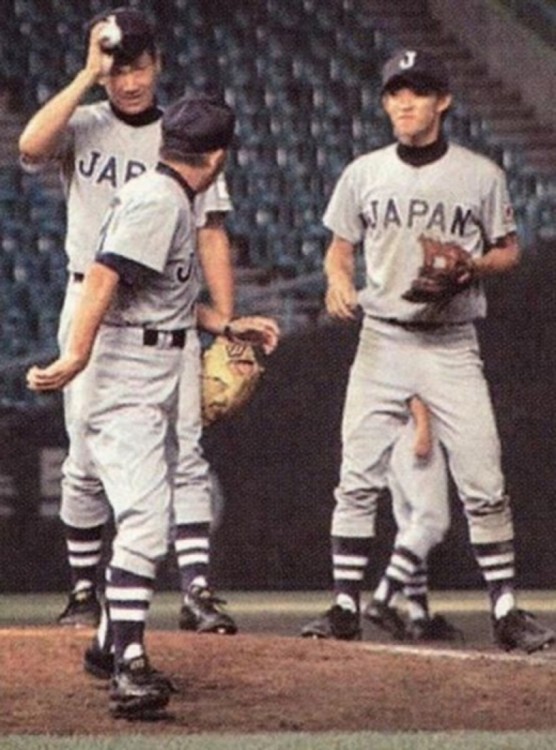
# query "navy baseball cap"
(416, 68)
(197, 125)
(138, 34)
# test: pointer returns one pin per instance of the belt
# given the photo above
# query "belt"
(420, 325)
(173, 339)
(77, 277)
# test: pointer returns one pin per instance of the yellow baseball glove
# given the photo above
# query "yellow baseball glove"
(231, 371)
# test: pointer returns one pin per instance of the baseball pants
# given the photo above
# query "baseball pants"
(443, 367)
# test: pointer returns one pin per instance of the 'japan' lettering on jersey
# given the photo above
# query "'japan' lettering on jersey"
(387, 204)
(151, 222)
(99, 154)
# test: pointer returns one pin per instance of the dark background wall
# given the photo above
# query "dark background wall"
(277, 462)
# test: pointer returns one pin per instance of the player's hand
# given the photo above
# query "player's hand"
(255, 329)
(341, 300)
(422, 445)
(99, 63)
(54, 376)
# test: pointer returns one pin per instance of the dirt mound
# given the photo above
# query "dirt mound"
(260, 683)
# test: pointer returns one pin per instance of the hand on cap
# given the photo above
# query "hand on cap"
(99, 62)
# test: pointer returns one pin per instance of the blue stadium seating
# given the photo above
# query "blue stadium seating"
(303, 77)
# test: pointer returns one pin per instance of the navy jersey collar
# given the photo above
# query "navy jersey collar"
(419, 156)
(146, 117)
(166, 169)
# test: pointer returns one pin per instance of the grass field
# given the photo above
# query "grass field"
(281, 614)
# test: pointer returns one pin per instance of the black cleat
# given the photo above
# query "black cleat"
(98, 662)
(386, 618)
(82, 609)
(520, 629)
(336, 622)
(202, 612)
(137, 691)
(436, 628)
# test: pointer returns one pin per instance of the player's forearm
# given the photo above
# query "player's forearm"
(97, 293)
(216, 262)
(499, 259)
(44, 130)
(209, 319)
(339, 263)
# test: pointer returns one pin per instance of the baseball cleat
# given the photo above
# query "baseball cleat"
(82, 609)
(436, 628)
(520, 629)
(386, 618)
(98, 661)
(202, 612)
(336, 622)
(137, 691)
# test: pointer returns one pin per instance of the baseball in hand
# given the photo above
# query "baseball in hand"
(111, 35)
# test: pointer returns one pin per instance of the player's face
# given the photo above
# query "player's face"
(415, 117)
(131, 88)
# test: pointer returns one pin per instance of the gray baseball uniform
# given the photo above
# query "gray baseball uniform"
(101, 152)
(407, 349)
(134, 401)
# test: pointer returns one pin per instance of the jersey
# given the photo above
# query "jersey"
(387, 204)
(151, 223)
(99, 153)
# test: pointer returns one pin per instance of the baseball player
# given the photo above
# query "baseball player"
(398, 202)
(138, 302)
(100, 147)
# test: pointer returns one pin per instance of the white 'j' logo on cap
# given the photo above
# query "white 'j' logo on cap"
(408, 60)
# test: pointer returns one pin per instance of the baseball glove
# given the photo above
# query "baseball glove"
(447, 270)
(231, 371)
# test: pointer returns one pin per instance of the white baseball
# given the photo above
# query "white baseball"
(111, 35)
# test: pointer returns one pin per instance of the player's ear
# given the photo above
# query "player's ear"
(444, 102)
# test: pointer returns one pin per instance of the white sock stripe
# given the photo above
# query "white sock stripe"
(490, 561)
(347, 575)
(80, 547)
(187, 544)
(411, 590)
(350, 561)
(499, 575)
(84, 562)
(132, 594)
(419, 580)
(192, 558)
(398, 575)
(403, 563)
(128, 615)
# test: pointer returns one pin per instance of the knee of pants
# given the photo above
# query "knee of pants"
(489, 520)
(149, 546)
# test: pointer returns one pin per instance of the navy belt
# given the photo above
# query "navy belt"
(176, 340)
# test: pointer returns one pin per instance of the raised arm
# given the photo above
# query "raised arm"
(44, 130)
